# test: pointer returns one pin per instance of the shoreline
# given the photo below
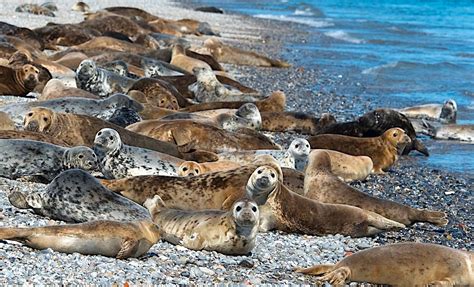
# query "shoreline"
(276, 253)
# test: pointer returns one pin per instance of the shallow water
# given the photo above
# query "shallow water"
(402, 52)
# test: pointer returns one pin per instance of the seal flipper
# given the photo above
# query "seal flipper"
(337, 277)
(435, 217)
(316, 269)
(128, 248)
(419, 146)
(16, 234)
(18, 200)
(379, 223)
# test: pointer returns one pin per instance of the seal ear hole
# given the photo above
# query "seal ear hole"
(196, 171)
(254, 209)
(238, 208)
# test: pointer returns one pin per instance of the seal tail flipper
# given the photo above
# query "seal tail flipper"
(435, 217)
(279, 63)
(382, 223)
(337, 277)
(419, 146)
(16, 234)
(128, 248)
(316, 269)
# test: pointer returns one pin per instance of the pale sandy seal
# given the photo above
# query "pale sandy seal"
(55, 88)
(80, 7)
(34, 158)
(450, 132)
(6, 122)
(401, 264)
(34, 9)
(156, 90)
(155, 100)
(298, 151)
(35, 136)
(383, 150)
(208, 89)
(118, 160)
(181, 60)
(103, 237)
(189, 135)
(231, 55)
(76, 196)
(192, 168)
(18, 81)
(230, 232)
(99, 81)
(102, 109)
(446, 113)
(323, 186)
(285, 210)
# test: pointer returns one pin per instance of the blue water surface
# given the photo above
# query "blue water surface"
(402, 52)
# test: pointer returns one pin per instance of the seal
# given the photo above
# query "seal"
(450, 132)
(298, 150)
(124, 117)
(230, 232)
(160, 100)
(34, 158)
(295, 122)
(446, 113)
(322, 185)
(121, 68)
(55, 88)
(208, 89)
(80, 7)
(156, 69)
(232, 55)
(285, 210)
(65, 34)
(118, 160)
(190, 136)
(346, 167)
(375, 123)
(103, 237)
(102, 109)
(383, 150)
(18, 81)
(181, 60)
(76, 196)
(35, 136)
(34, 9)
(5, 122)
(192, 168)
(401, 264)
(99, 81)
(276, 102)
(155, 90)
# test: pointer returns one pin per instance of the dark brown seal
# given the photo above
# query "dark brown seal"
(18, 81)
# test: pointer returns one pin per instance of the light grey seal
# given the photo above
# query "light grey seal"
(118, 160)
(445, 113)
(76, 196)
(103, 109)
(449, 132)
(99, 81)
(155, 68)
(34, 158)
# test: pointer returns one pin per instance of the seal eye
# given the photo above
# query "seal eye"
(162, 101)
(395, 135)
(45, 119)
(272, 175)
(254, 209)
(30, 114)
(297, 146)
(81, 156)
(99, 134)
(307, 145)
(239, 208)
(259, 171)
(196, 171)
(185, 168)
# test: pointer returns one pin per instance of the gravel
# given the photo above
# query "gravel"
(276, 254)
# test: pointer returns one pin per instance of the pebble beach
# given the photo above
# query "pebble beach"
(276, 253)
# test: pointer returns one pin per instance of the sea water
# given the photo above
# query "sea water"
(402, 52)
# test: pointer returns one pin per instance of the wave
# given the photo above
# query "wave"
(306, 21)
(399, 65)
(344, 36)
(307, 10)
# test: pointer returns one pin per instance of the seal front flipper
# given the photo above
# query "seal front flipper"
(18, 200)
(316, 269)
(128, 248)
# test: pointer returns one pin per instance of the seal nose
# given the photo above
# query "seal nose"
(264, 180)
(32, 126)
(247, 216)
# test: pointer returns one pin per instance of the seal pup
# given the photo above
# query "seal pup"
(118, 160)
(103, 237)
(230, 232)
(208, 89)
(401, 264)
(450, 132)
(298, 150)
(55, 88)
(383, 150)
(295, 121)
(181, 60)
(18, 81)
(446, 113)
(76, 196)
(232, 55)
(322, 185)
(192, 168)
(285, 210)
(189, 135)
(34, 158)
(99, 81)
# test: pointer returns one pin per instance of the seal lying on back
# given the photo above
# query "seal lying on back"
(401, 264)
(118, 160)
(99, 81)
(230, 232)
(446, 113)
(104, 237)
(383, 150)
(323, 186)
(285, 210)
(97, 108)
(18, 81)
(34, 158)
(76, 196)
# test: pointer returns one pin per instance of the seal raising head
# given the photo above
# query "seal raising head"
(261, 183)
(189, 168)
(38, 119)
(449, 111)
(299, 148)
(397, 138)
(246, 213)
(108, 141)
(29, 77)
(86, 70)
(251, 113)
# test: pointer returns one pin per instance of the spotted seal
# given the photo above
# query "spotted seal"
(449, 132)
(34, 158)
(18, 81)
(118, 160)
(401, 264)
(285, 210)
(99, 81)
(76, 196)
(103, 237)
(230, 232)
(446, 113)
